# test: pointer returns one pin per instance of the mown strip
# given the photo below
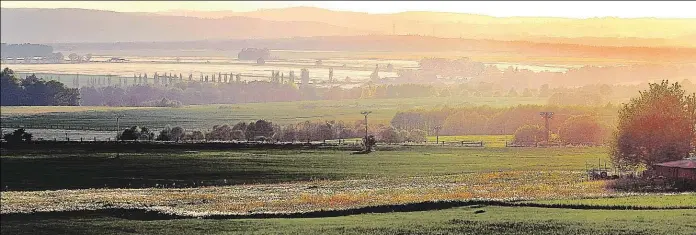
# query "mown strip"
(147, 214)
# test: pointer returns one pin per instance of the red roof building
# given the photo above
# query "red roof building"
(682, 169)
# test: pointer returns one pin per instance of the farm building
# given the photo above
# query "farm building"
(682, 169)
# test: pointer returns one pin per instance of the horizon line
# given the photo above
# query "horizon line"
(160, 12)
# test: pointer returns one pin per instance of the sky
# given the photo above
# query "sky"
(568, 9)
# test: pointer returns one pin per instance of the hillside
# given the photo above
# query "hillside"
(416, 44)
(603, 31)
(80, 25)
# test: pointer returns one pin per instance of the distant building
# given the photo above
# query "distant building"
(682, 169)
(117, 60)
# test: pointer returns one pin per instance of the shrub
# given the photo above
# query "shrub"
(223, 132)
(529, 134)
(19, 135)
(465, 123)
(418, 136)
(389, 135)
(369, 143)
(164, 102)
(403, 136)
(582, 130)
(654, 184)
(171, 134)
(136, 133)
(195, 135)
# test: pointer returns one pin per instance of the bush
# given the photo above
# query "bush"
(223, 132)
(389, 135)
(369, 143)
(164, 102)
(529, 134)
(171, 134)
(403, 136)
(654, 184)
(136, 133)
(195, 135)
(465, 123)
(418, 136)
(19, 135)
(583, 129)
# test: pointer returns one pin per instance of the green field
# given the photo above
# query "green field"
(297, 181)
(493, 220)
(79, 170)
(660, 201)
(488, 140)
(206, 116)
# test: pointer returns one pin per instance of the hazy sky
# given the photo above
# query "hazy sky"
(572, 9)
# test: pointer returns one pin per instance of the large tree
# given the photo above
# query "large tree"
(657, 126)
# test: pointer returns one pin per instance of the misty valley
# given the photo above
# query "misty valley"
(313, 120)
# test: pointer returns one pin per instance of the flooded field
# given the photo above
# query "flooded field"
(249, 72)
(356, 69)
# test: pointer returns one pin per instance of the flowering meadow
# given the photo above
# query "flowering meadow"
(315, 195)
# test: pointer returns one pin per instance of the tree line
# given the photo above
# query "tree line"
(262, 130)
(26, 50)
(180, 92)
(486, 120)
(190, 93)
(34, 91)
(521, 78)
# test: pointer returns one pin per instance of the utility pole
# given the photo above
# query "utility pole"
(546, 116)
(437, 134)
(393, 28)
(365, 113)
(118, 126)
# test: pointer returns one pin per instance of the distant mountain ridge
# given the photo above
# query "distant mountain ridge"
(19, 25)
(49, 26)
(607, 31)
(388, 43)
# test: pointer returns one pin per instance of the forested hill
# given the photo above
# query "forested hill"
(20, 25)
(25, 50)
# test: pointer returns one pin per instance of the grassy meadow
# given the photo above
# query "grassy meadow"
(463, 220)
(247, 182)
(494, 141)
(205, 184)
(206, 116)
(85, 170)
(661, 201)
